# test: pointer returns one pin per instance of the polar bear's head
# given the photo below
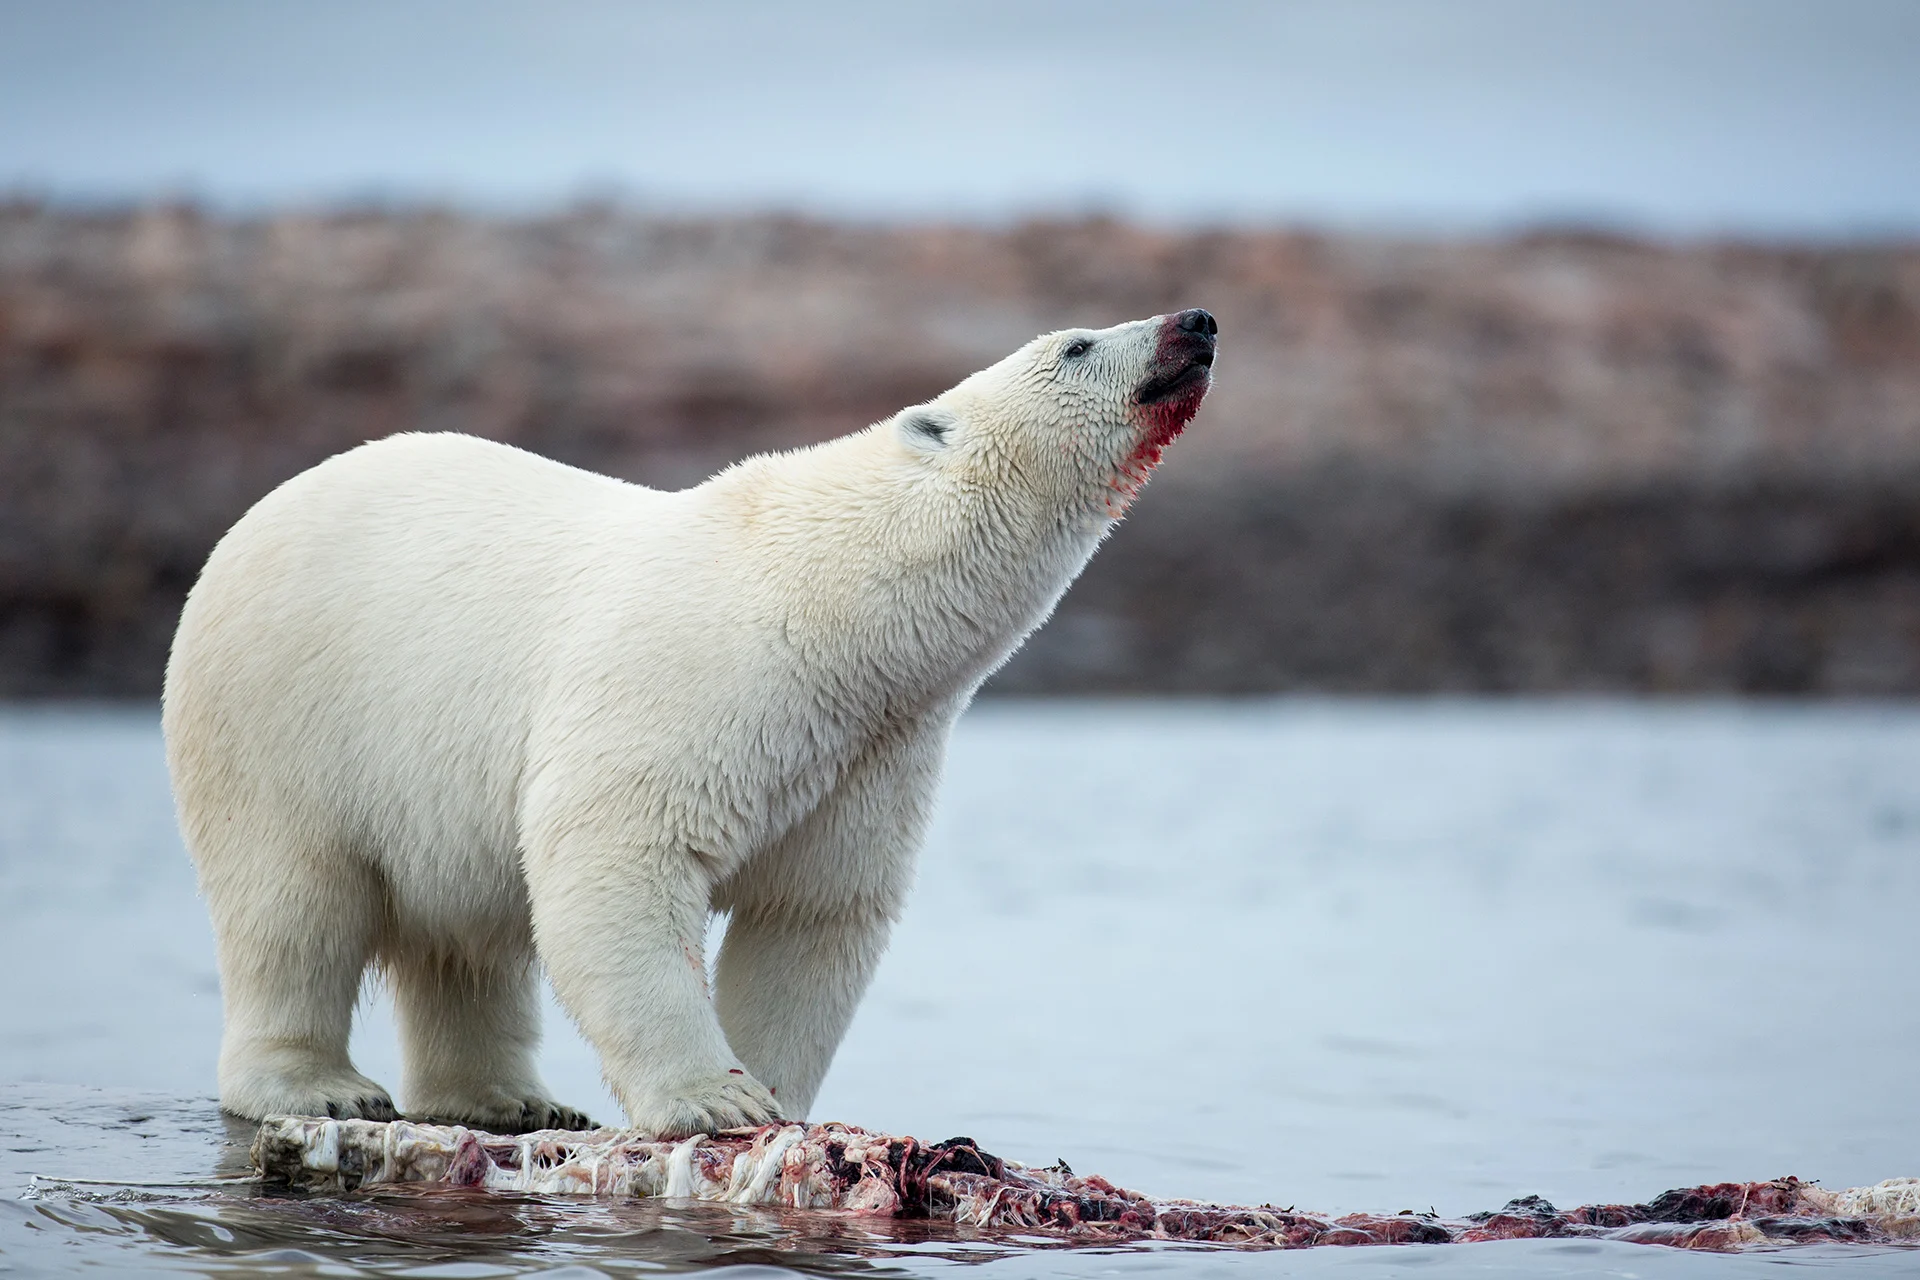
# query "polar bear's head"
(1074, 420)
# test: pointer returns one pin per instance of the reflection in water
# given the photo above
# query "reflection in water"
(454, 1234)
(428, 1228)
(460, 1232)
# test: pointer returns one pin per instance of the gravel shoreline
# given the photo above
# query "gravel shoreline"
(1552, 462)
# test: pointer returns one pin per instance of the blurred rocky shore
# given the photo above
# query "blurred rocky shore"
(1557, 461)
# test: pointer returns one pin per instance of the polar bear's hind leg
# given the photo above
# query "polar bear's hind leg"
(294, 940)
(469, 1030)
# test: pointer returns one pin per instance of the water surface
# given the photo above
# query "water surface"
(1337, 955)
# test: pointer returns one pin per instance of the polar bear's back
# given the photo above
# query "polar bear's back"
(363, 650)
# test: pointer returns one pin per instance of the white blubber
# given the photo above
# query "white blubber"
(452, 709)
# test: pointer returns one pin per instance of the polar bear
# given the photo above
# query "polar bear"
(455, 710)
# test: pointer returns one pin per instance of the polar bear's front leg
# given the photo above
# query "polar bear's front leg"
(622, 933)
(811, 915)
(789, 983)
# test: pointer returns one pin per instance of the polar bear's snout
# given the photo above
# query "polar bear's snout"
(1196, 320)
(1183, 357)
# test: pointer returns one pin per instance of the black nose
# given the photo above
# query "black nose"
(1197, 321)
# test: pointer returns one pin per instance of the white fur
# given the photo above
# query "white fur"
(451, 708)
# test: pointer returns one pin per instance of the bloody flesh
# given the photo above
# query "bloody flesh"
(835, 1168)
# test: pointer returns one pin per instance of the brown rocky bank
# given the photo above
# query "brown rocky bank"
(1547, 462)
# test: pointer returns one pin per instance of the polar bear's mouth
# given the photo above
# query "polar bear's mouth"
(1181, 373)
(1165, 386)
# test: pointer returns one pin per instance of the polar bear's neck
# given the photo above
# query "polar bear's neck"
(876, 566)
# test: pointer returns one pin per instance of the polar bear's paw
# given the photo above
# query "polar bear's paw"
(500, 1111)
(734, 1100)
(364, 1106)
(330, 1092)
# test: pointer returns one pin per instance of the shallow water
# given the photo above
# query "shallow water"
(1338, 955)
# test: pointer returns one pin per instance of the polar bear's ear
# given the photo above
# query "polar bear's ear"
(927, 428)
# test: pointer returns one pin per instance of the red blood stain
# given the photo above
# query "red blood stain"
(1161, 422)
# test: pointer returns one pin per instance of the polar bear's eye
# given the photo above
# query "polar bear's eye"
(1078, 347)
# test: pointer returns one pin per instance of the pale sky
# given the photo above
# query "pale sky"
(1768, 117)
